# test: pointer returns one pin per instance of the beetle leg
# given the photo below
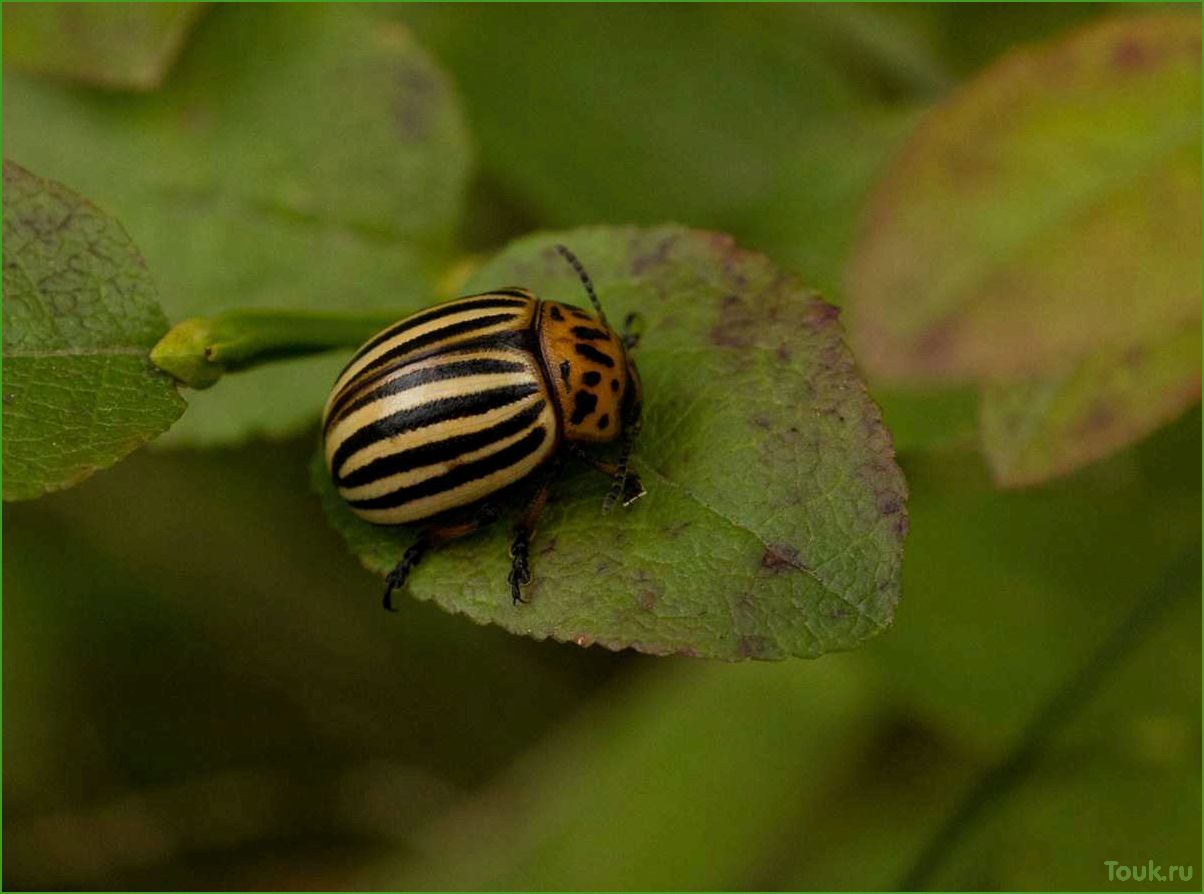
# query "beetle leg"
(524, 530)
(621, 476)
(430, 538)
(633, 329)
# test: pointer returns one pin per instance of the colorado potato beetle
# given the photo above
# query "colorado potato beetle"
(435, 417)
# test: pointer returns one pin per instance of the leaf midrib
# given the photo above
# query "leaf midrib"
(115, 351)
(810, 572)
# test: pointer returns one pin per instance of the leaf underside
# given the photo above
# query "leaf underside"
(80, 316)
(775, 514)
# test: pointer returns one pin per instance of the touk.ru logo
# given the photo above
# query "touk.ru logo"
(1147, 872)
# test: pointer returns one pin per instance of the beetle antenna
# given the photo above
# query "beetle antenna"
(584, 277)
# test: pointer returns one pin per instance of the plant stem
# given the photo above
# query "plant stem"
(198, 351)
(998, 781)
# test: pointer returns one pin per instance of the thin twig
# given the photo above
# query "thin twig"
(999, 780)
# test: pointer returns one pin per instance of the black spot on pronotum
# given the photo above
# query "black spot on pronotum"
(584, 403)
(614, 385)
(555, 314)
(589, 333)
(565, 370)
(603, 421)
(593, 377)
(589, 352)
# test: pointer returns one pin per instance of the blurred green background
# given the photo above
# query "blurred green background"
(199, 689)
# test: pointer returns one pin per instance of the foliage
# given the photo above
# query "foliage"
(130, 45)
(1040, 235)
(80, 315)
(775, 518)
(200, 687)
(299, 158)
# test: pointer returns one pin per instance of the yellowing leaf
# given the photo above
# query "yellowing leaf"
(1040, 236)
(1037, 429)
(1049, 209)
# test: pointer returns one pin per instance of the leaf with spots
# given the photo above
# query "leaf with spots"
(309, 157)
(1039, 239)
(80, 317)
(775, 514)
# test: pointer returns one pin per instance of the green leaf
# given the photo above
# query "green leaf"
(768, 121)
(775, 513)
(1035, 430)
(123, 45)
(80, 316)
(303, 157)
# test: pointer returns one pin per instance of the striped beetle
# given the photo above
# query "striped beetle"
(436, 416)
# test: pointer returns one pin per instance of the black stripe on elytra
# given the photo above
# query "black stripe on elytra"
(435, 411)
(508, 339)
(589, 352)
(513, 291)
(477, 469)
(584, 403)
(580, 314)
(435, 335)
(614, 385)
(588, 333)
(603, 421)
(555, 314)
(442, 451)
(565, 373)
(427, 316)
(592, 377)
(453, 369)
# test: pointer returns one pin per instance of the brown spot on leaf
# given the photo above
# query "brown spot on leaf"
(1099, 420)
(752, 646)
(735, 328)
(820, 314)
(675, 531)
(646, 598)
(780, 557)
(657, 256)
(1129, 55)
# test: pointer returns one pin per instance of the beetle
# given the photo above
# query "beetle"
(437, 416)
